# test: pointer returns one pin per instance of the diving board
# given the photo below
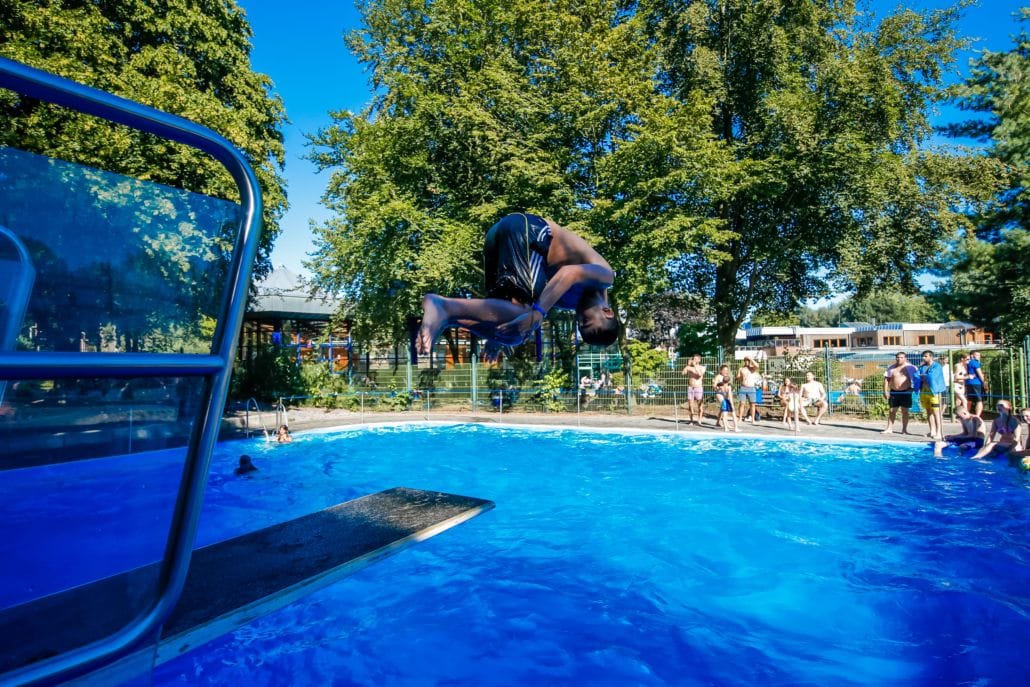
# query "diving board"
(233, 582)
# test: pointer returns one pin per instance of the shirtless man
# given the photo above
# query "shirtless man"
(531, 265)
(973, 434)
(898, 383)
(695, 373)
(813, 393)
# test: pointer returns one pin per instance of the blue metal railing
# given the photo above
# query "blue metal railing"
(215, 368)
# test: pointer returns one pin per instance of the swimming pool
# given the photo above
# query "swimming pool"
(640, 558)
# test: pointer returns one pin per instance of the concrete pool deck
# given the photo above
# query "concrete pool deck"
(832, 427)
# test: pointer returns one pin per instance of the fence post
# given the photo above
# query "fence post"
(1024, 368)
(676, 408)
(130, 429)
(950, 387)
(1012, 378)
(475, 390)
(427, 404)
(828, 381)
(407, 369)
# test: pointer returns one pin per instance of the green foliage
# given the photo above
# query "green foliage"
(484, 108)
(396, 399)
(823, 114)
(696, 337)
(990, 284)
(646, 360)
(989, 269)
(884, 305)
(877, 306)
(268, 375)
(185, 57)
(552, 386)
(998, 89)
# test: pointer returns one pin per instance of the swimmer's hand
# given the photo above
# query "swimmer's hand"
(519, 329)
(491, 350)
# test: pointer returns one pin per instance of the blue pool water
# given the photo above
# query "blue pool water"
(640, 558)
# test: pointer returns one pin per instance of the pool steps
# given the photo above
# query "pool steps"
(233, 582)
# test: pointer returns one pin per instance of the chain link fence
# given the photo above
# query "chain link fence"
(853, 382)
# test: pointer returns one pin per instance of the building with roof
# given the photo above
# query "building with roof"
(855, 336)
(284, 310)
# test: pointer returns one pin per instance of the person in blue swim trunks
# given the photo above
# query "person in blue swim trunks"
(531, 265)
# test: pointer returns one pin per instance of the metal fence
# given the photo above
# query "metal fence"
(853, 381)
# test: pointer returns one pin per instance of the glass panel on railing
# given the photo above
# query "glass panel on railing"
(89, 473)
(112, 263)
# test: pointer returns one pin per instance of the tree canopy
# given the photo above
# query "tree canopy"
(988, 269)
(187, 57)
(826, 115)
(752, 152)
(485, 108)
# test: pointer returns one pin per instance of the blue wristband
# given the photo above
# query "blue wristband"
(540, 310)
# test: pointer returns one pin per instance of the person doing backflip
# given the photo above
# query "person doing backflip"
(531, 265)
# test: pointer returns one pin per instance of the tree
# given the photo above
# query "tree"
(823, 118)
(187, 57)
(484, 108)
(990, 284)
(989, 268)
(888, 306)
(999, 90)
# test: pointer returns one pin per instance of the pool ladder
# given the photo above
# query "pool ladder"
(280, 417)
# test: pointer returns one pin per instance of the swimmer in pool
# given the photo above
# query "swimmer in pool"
(246, 466)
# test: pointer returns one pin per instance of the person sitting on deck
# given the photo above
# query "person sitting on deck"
(1020, 455)
(531, 265)
(813, 393)
(1003, 432)
(973, 434)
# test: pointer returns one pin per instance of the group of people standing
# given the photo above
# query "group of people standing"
(1009, 433)
(795, 400)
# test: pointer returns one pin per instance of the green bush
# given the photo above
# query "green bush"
(551, 387)
(269, 375)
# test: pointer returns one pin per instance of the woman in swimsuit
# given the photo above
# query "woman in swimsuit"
(1004, 428)
(790, 398)
(958, 381)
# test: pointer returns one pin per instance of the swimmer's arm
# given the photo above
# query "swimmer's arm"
(567, 276)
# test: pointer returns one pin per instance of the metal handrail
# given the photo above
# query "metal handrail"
(215, 368)
(246, 417)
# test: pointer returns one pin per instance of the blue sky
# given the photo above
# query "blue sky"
(300, 46)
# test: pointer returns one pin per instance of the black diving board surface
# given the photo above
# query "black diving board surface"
(235, 581)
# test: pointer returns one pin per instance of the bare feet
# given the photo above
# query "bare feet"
(889, 430)
(434, 317)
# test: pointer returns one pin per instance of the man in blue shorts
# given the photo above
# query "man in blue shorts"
(976, 384)
(899, 381)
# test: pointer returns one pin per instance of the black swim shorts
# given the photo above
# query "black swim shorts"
(974, 392)
(901, 399)
(514, 256)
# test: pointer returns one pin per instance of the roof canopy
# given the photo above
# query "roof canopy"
(283, 294)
